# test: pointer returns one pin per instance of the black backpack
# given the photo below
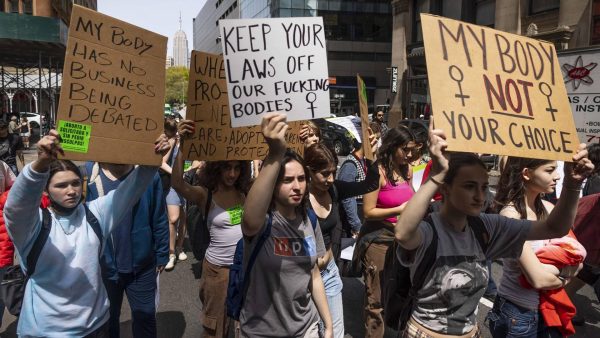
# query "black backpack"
(198, 224)
(398, 292)
(12, 287)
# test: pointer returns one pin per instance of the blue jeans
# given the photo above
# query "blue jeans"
(507, 319)
(333, 291)
(141, 294)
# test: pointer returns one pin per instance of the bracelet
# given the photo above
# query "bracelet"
(435, 181)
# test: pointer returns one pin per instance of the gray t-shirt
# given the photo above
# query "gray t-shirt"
(278, 301)
(448, 301)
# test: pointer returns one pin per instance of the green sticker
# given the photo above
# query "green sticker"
(74, 136)
(187, 165)
(235, 214)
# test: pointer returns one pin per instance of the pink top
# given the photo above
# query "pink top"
(391, 196)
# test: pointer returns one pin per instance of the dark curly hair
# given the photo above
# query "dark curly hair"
(290, 156)
(210, 176)
(511, 187)
(394, 138)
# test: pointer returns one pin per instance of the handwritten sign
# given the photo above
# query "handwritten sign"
(496, 92)
(275, 65)
(208, 106)
(113, 81)
(364, 116)
(581, 75)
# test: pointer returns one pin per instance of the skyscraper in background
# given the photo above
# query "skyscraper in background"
(180, 48)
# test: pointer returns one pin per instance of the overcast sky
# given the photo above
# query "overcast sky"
(159, 16)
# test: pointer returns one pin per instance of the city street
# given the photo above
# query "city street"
(179, 311)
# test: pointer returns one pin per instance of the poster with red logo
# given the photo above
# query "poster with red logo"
(581, 74)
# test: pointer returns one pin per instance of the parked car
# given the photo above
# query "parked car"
(335, 137)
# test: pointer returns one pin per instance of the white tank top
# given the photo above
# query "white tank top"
(225, 231)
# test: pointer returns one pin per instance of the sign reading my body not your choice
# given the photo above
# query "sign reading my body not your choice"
(275, 65)
(496, 92)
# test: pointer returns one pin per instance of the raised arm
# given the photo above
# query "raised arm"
(259, 197)
(112, 208)
(350, 189)
(21, 212)
(165, 166)
(561, 219)
(194, 194)
(406, 229)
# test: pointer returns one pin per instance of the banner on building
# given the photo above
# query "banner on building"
(113, 90)
(394, 79)
(364, 116)
(275, 65)
(496, 92)
(581, 75)
(214, 138)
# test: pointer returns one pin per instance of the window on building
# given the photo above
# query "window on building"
(595, 29)
(1, 6)
(540, 6)
(13, 6)
(420, 6)
(485, 12)
(452, 9)
(27, 6)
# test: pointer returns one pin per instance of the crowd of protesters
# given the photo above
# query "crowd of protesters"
(89, 234)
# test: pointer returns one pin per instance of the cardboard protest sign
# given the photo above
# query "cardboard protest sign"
(113, 87)
(496, 92)
(581, 75)
(364, 116)
(208, 106)
(275, 65)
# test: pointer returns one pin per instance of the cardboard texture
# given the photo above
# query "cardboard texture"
(364, 116)
(208, 106)
(114, 82)
(497, 93)
(275, 64)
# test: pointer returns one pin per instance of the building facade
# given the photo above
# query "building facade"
(358, 35)
(206, 24)
(33, 38)
(566, 23)
(180, 49)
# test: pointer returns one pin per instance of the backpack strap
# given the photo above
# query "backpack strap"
(95, 224)
(261, 241)
(428, 260)
(480, 231)
(40, 241)
(312, 216)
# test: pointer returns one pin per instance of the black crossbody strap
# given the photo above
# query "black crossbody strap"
(95, 224)
(39, 243)
(207, 208)
(428, 260)
(480, 231)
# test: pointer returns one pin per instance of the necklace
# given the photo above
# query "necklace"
(63, 229)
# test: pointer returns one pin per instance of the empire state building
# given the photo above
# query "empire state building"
(180, 48)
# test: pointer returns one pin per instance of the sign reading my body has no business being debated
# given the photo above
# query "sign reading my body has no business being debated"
(275, 65)
(113, 90)
(496, 92)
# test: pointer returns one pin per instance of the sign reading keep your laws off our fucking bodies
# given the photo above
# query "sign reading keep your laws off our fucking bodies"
(275, 65)
(496, 92)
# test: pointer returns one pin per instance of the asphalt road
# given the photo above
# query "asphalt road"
(179, 310)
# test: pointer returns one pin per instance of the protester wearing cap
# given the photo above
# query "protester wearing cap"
(13, 126)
